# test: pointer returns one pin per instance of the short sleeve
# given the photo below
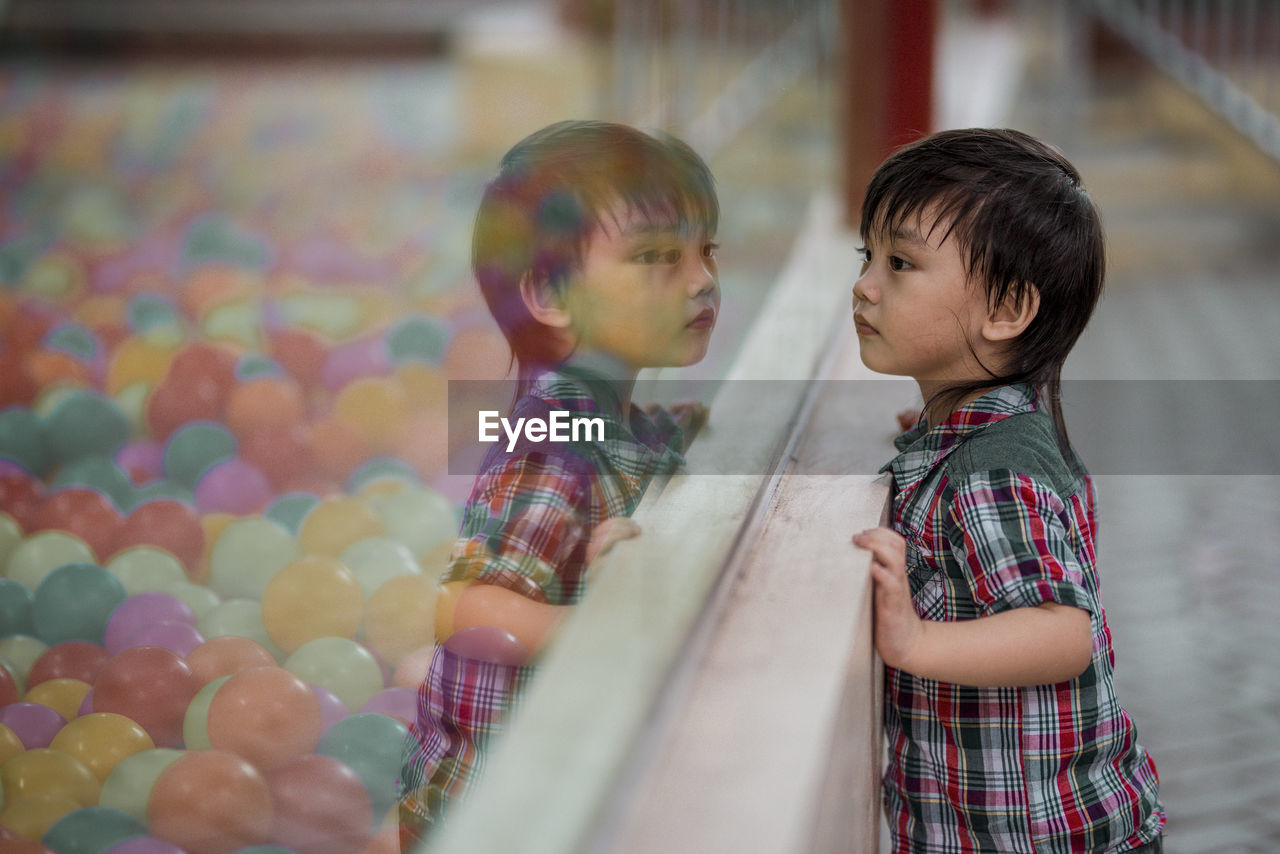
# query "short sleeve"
(1014, 535)
(525, 528)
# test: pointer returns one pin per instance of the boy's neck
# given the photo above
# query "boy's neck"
(620, 377)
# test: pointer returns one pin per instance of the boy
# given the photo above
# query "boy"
(594, 249)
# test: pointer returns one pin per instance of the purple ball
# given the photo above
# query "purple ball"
(332, 709)
(141, 611)
(35, 725)
(397, 702)
(366, 357)
(232, 486)
(144, 845)
(173, 635)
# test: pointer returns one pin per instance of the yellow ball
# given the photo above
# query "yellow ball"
(400, 616)
(315, 596)
(101, 740)
(137, 360)
(64, 696)
(336, 523)
(375, 407)
(10, 745)
(30, 818)
(45, 771)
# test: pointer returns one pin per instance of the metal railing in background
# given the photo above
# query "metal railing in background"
(1226, 52)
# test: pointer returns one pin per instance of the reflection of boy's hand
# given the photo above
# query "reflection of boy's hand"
(907, 419)
(691, 416)
(607, 533)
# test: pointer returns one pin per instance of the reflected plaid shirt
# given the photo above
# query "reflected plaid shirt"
(526, 527)
(995, 519)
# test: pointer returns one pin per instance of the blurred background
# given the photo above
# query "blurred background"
(234, 283)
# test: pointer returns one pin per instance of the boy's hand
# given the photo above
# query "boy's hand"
(898, 629)
(691, 416)
(608, 532)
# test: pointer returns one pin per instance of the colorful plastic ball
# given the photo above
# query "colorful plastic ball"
(300, 352)
(195, 724)
(289, 510)
(265, 714)
(99, 473)
(41, 553)
(128, 786)
(241, 618)
(141, 611)
(332, 709)
(31, 817)
(370, 745)
(143, 845)
(21, 494)
(246, 554)
(233, 486)
(85, 422)
(226, 655)
(74, 602)
(151, 686)
(35, 724)
(91, 830)
(74, 659)
(22, 439)
(375, 407)
(421, 338)
(194, 448)
(376, 560)
(427, 386)
(321, 806)
(336, 523)
(15, 608)
(19, 653)
(179, 637)
(211, 802)
(365, 357)
(101, 740)
(64, 696)
(83, 512)
(163, 488)
(282, 452)
(311, 597)
(395, 702)
(418, 516)
(42, 771)
(381, 474)
(264, 402)
(10, 746)
(146, 569)
(137, 361)
(170, 405)
(205, 364)
(339, 449)
(399, 616)
(343, 666)
(9, 691)
(488, 643)
(142, 460)
(150, 310)
(166, 524)
(200, 599)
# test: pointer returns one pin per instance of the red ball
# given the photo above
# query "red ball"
(172, 404)
(205, 364)
(150, 685)
(68, 660)
(82, 511)
(21, 496)
(280, 451)
(321, 806)
(8, 687)
(168, 524)
(300, 352)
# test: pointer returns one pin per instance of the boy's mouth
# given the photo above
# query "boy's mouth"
(704, 320)
(861, 326)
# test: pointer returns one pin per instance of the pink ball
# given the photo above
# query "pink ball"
(365, 357)
(142, 460)
(141, 611)
(232, 486)
(396, 702)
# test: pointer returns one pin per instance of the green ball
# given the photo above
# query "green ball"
(379, 468)
(195, 448)
(246, 554)
(290, 509)
(22, 439)
(73, 339)
(253, 365)
(15, 608)
(148, 311)
(91, 830)
(100, 473)
(343, 666)
(369, 744)
(419, 339)
(128, 786)
(162, 489)
(74, 602)
(83, 423)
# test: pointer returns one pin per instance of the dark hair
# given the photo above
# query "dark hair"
(1022, 219)
(551, 193)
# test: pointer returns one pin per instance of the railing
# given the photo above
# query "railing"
(1226, 52)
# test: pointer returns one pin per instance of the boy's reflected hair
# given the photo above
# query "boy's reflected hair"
(553, 190)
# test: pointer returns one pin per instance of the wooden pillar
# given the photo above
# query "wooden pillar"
(888, 84)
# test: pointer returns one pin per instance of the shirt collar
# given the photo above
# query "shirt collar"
(923, 448)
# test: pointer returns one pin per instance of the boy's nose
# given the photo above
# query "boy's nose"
(864, 289)
(703, 277)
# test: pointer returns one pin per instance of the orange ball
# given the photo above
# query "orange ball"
(264, 402)
(226, 656)
(211, 802)
(338, 447)
(266, 715)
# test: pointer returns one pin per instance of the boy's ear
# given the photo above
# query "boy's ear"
(1007, 320)
(543, 303)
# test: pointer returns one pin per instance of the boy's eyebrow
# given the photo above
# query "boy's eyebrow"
(908, 236)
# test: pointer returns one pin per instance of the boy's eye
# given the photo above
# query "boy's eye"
(655, 256)
(898, 264)
(710, 250)
(865, 254)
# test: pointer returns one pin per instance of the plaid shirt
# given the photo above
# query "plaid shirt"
(526, 527)
(994, 519)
